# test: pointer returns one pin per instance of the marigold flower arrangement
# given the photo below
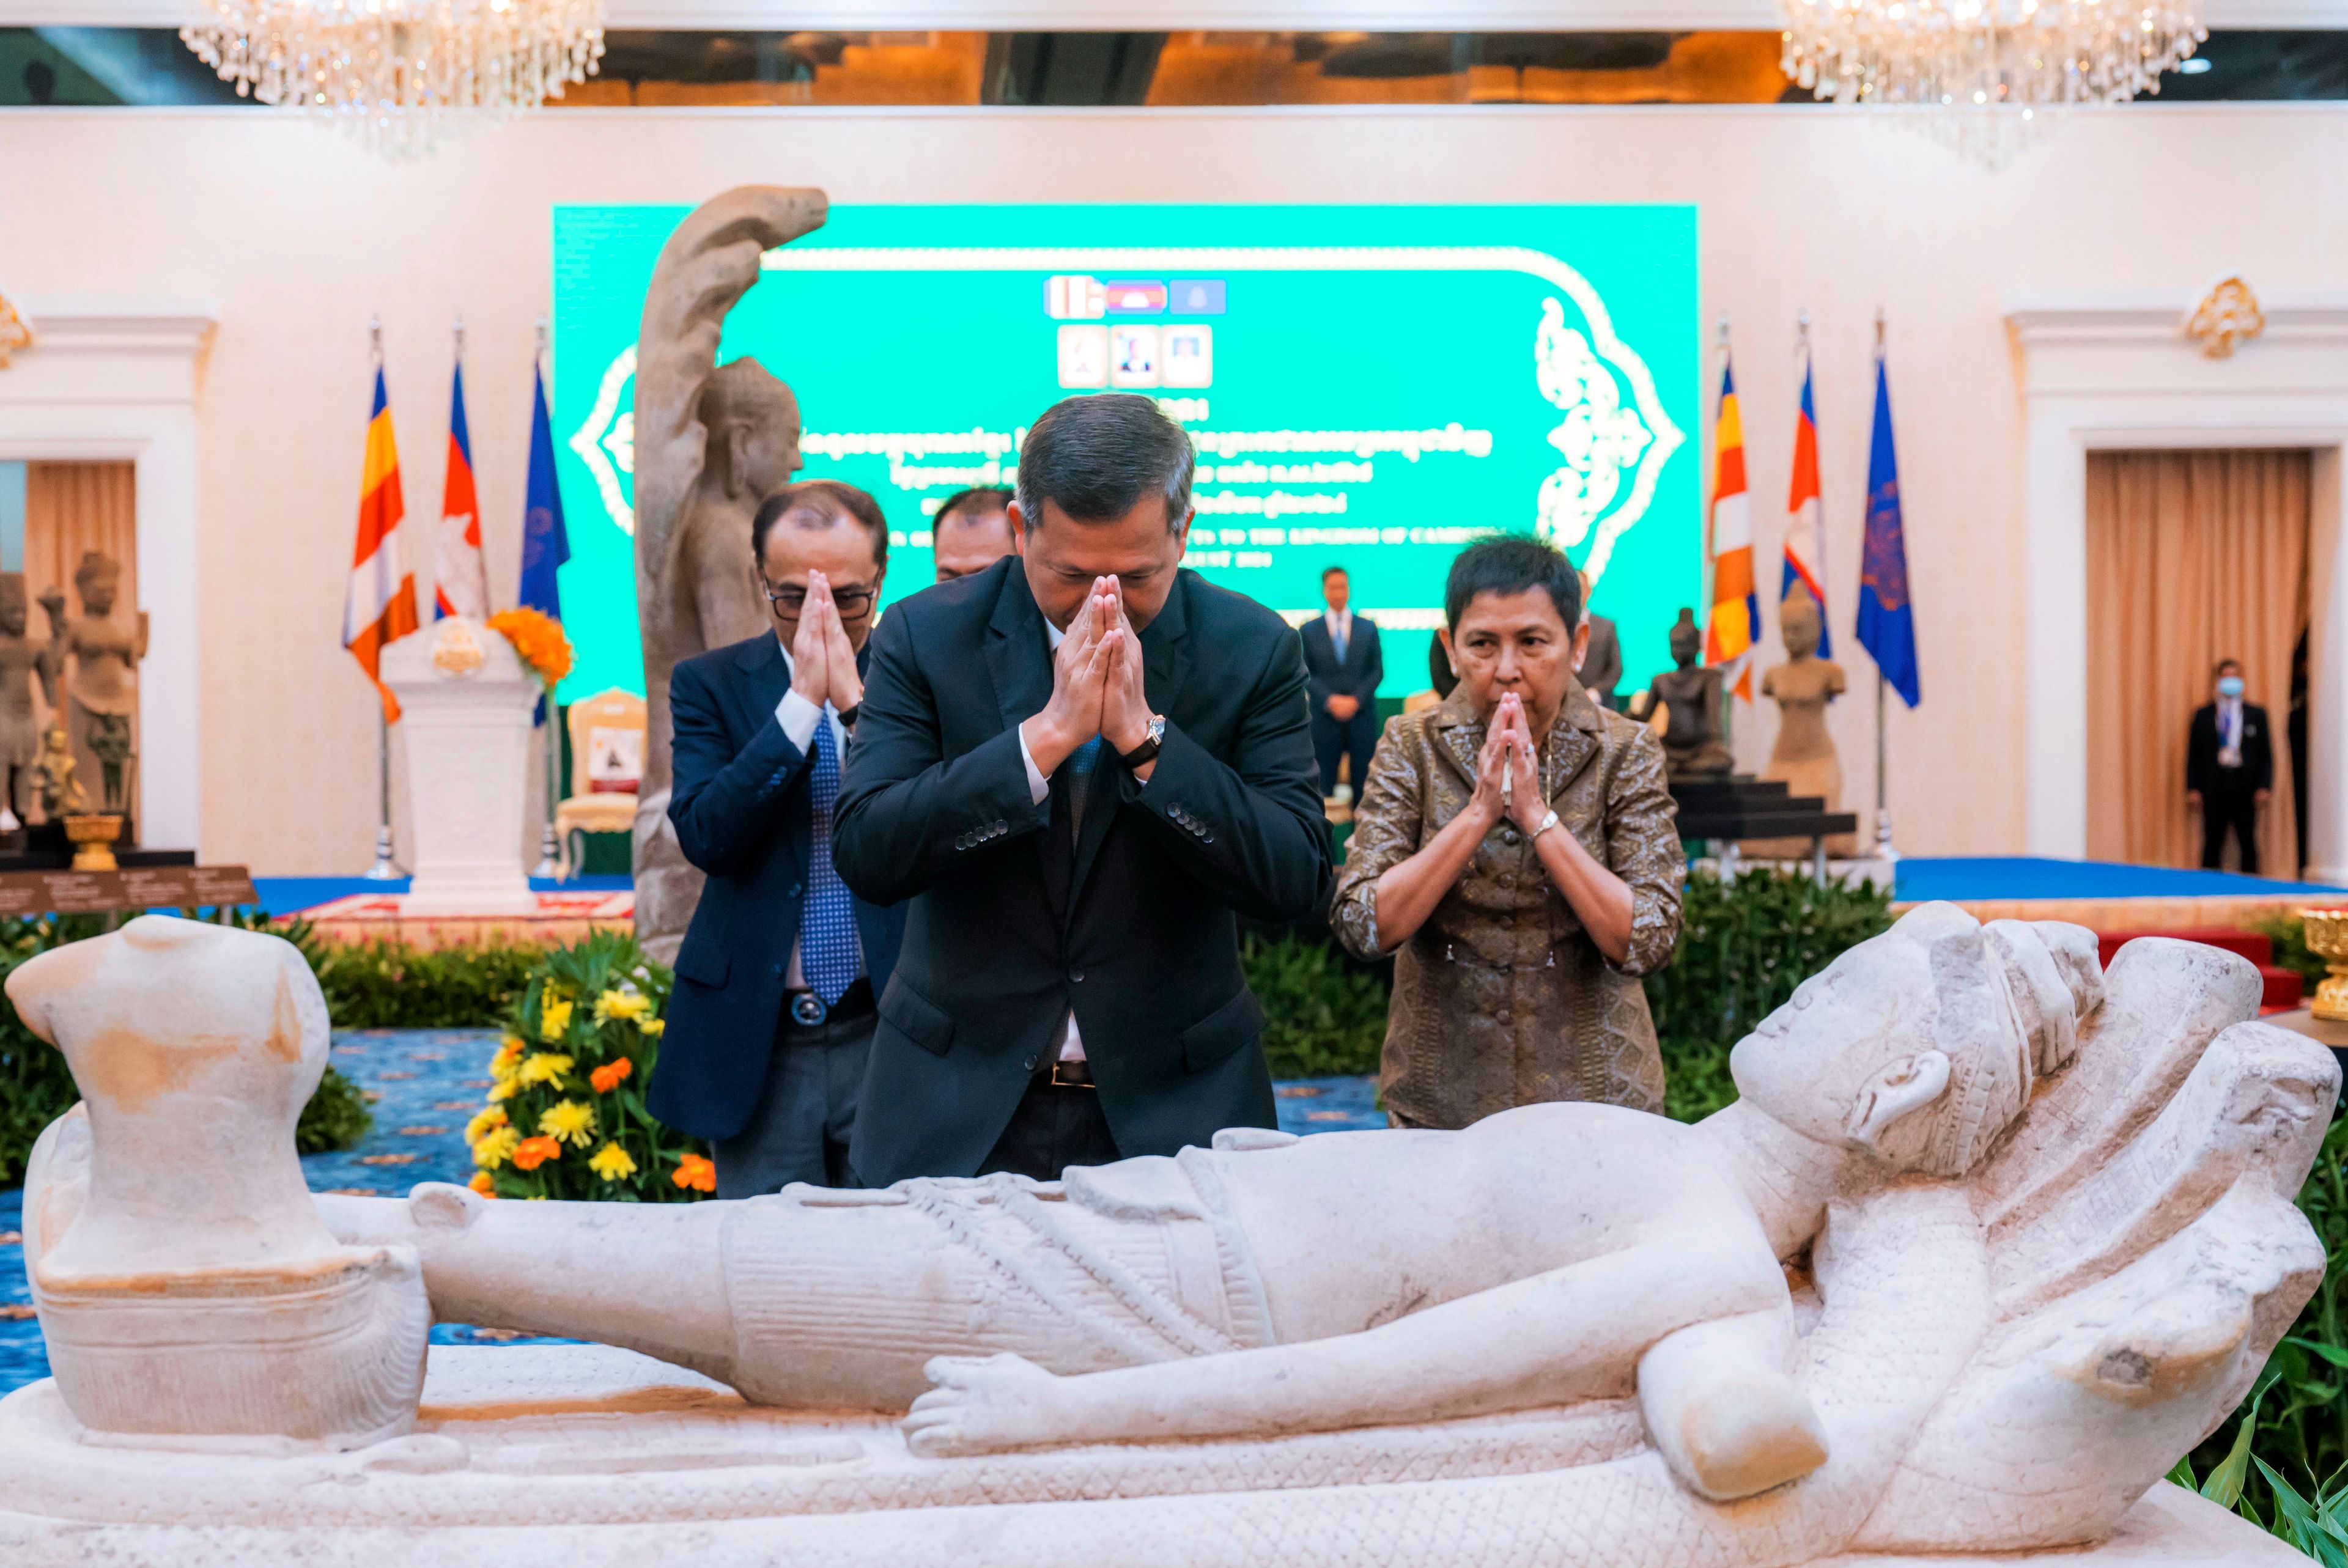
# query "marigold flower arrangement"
(565, 1115)
(538, 639)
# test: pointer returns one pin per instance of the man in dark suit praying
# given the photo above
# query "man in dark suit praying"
(1342, 666)
(769, 1026)
(1077, 768)
(2229, 769)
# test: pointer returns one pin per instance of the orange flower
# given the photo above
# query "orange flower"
(484, 1183)
(538, 639)
(607, 1077)
(533, 1152)
(694, 1173)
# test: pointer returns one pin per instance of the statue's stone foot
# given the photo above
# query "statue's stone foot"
(1751, 1433)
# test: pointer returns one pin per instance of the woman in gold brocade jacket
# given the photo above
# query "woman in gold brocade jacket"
(1516, 849)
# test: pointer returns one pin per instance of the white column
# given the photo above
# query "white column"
(2055, 590)
(2326, 853)
(465, 704)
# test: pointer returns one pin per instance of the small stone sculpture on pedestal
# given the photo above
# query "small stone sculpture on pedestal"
(1804, 758)
(20, 661)
(1695, 726)
(101, 693)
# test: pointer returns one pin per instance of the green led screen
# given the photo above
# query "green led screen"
(1370, 387)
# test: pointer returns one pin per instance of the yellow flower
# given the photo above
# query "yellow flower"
(553, 1018)
(631, 1005)
(480, 1126)
(542, 1067)
(505, 1088)
(569, 1120)
(494, 1148)
(611, 1161)
(510, 1049)
(654, 1026)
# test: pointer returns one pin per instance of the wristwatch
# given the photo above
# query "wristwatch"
(1546, 824)
(1147, 752)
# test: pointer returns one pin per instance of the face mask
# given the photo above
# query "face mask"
(2230, 686)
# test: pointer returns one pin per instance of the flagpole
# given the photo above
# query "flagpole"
(1883, 847)
(549, 847)
(385, 868)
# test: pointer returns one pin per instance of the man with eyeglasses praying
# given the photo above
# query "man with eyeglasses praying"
(772, 1017)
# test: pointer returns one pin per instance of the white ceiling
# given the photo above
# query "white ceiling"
(1441, 15)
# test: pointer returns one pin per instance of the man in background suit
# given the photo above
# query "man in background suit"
(970, 532)
(1343, 665)
(1077, 767)
(772, 1017)
(2229, 769)
(1601, 661)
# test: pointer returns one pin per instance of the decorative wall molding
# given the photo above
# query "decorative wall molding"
(2117, 372)
(111, 379)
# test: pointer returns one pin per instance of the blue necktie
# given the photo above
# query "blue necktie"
(828, 955)
(1081, 762)
(1340, 637)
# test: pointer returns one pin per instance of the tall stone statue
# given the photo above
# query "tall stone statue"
(22, 661)
(710, 441)
(101, 705)
(1991, 1237)
(1695, 722)
(1804, 757)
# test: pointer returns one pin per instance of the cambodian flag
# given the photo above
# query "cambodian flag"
(460, 576)
(1803, 561)
(1735, 625)
(1887, 627)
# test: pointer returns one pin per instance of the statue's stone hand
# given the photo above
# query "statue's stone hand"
(987, 1404)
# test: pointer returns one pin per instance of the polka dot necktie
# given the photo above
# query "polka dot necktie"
(828, 955)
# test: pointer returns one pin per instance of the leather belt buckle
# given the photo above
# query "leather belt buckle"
(1072, 1075)
(808, 1008)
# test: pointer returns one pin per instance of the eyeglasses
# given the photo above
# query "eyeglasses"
(851, 603)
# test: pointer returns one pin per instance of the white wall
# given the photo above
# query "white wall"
(298, 237)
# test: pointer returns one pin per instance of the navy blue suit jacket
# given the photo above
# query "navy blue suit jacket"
(744, 812)
(1356, 675)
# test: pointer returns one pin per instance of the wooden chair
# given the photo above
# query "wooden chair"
(607, 761)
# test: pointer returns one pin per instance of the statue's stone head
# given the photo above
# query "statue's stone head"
(1686, 640)
(98, 579)
(1797, 620)
(14, 606)
(1921, 1047)
(754, 430)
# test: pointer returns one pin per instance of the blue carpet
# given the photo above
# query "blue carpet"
(286, 894)
(425, 1085)
(2020, 877)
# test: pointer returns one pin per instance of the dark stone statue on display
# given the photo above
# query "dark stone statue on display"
(101, 693)
(1695, 727)
(711, 441)
(22, 660)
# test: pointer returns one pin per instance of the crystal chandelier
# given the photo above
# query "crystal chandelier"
(1982, 71)
(400, 76)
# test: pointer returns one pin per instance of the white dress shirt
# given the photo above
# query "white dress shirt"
(1072, 1045)
(798, 716)
(2229, 731)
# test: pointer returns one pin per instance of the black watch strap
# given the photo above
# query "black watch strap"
(847, 716)
(1146, 752)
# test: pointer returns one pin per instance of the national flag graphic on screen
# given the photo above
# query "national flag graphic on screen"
(1887, 622)
(1130, 297)
(461, 577)
(379, 602)
(1074, 297)
(1804, 564)
(1735, 625)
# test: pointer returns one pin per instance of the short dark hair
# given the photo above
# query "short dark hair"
(1329, 571)
(1099, 454)
(983, 499)
(1512, 563)
(829, 498)
(2223, 665)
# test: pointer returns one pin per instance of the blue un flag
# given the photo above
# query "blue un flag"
(1887, 622)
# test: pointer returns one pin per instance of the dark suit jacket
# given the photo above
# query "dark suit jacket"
(1601, 665)
(744, 812)
(2201, 769)
(1356, 675)
(1009, 923)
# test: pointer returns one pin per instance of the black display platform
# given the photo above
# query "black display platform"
(1738, 806)
(43, 848)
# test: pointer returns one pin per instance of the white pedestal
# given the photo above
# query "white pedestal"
(465, 701)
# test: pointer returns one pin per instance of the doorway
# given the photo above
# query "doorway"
(2193, 556)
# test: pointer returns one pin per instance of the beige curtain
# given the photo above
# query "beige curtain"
(2192, 557)
(71, 509)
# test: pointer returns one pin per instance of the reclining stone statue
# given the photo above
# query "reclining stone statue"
(1989, 1240)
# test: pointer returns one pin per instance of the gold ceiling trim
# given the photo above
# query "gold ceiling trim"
(2228, 312)
(15, 331)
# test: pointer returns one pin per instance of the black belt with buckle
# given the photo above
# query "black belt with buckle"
(808, 1011)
